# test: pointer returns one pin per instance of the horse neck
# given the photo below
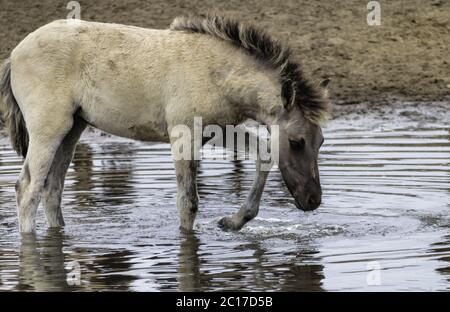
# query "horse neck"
(264, 116)
(262, 101)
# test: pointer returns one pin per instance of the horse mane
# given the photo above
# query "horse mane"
(295, 88)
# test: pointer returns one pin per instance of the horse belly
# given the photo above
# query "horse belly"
(138, 122)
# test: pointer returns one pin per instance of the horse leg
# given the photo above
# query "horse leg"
(46, 133)
(249, 210)
(187, 197)
(54, 184)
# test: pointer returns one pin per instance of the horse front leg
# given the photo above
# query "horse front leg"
(249, 210)
(187, 197)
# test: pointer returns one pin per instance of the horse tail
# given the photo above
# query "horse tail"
(10, 113)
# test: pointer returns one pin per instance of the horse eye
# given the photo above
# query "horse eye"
(297, 144)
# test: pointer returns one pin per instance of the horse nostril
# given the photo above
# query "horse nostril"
(313, 202)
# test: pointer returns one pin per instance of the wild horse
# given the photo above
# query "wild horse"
(140, 84)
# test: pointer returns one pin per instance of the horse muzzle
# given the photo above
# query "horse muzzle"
(312, 202)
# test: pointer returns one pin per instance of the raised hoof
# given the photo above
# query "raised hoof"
(227, 224)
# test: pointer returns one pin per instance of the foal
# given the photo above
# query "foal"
(141, 83)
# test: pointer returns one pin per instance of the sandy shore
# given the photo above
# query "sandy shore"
(406, 57)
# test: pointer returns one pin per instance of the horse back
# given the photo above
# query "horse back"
(138, 83)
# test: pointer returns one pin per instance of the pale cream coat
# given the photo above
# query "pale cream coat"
(140, 83)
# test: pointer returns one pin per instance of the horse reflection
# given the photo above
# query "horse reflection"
(43, 266)
(41, 263)
(189, 276)
(302, 273)
(83, 175)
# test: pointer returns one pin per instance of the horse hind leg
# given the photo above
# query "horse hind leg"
(46, 132)
(54, 184)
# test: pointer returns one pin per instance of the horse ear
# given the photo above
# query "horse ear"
(324, 83)
(288, 94)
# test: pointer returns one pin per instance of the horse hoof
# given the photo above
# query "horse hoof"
(184, 230)
(227, 224)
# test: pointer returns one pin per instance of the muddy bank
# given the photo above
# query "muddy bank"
(405, 57)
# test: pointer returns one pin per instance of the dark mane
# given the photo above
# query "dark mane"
(295, 88)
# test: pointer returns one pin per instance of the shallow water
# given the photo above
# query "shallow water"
(384, 222)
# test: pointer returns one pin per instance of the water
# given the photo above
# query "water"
(383, 225)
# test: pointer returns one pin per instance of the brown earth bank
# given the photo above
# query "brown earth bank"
(406, 57)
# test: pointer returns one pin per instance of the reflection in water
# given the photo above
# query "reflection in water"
(235, 179)
(41, 263)
(189, 277)
(109, 269)
(115, 180)
(238, 177)
(1, 188)
(195, 274)
(443, 249)
(43, 266)
(82, 165)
